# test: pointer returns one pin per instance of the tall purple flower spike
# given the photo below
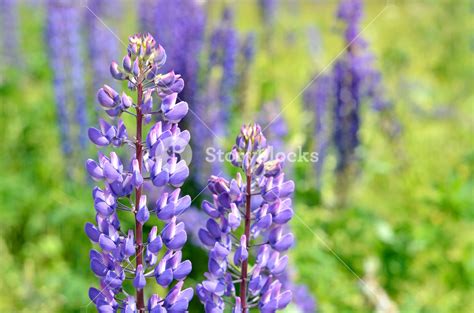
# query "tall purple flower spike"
(355, 80)
(64, 47)
(217, 97)
(126, 254)
(246, 233)
(317, 100)
(184, 19)
(101, 46)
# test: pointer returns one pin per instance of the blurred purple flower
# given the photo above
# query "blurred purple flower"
(355, 81)
(64, 47)
(317, 99)
(170, 20)
(216, 100)
(223, 53)
(268, 10)
(102, 47)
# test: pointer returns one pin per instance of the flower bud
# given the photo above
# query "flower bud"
(116, 72)
(136, 68)
(108, 97)
(127, 63)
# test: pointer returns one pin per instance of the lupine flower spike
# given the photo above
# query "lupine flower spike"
(63, 37)
(246, 231)
(126, 255)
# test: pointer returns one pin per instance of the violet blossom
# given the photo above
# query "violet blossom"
(63, 31)
(183, 19)
(318, 98)
(102, 47)
(246, 231)
(127, 254)
(216, 99)
(355, 81)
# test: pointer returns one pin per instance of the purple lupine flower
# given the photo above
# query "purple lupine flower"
(302, 297)
(258, 207)
(276, 130)
(217, 96)
(317, 99)
(246, 59)
(101, 46)
(248, 47)
(156, 159)
(55, 36)
(193, 220)
(223, 52)
(64, 47)
(146, 10)
(353, 76)
(75, 56)
(277, 127)
(186, 20)
(268, 10)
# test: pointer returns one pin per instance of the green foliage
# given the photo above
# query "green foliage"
(411, 208)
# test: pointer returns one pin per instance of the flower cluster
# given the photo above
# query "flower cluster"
(247, 224)
(245, 62)
(186, 20)
(156, 159)
(268, 10)
(355, 80)
(223, 52)
(63, 37)
(216, 98)
(317, 100)
(101, 46)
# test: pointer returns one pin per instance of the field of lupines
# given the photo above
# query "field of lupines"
(236, 156)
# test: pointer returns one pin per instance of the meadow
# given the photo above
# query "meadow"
(405, 228)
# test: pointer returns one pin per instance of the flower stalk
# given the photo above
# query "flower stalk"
(138, 194)
(243, 283)
(156, 161)
(248, 224)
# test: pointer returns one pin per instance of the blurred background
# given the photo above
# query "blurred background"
(382, 91)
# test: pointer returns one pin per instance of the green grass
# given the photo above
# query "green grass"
(410, 209)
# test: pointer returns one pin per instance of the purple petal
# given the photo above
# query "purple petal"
(105, 99)
(139, 281)
(284, 243)
(106, 243)
(143, 214)
(283, 216)
(182, 270)
(161, 179)
(92, 232)
(95, 295)
(97, 138)
(284, 299)
(94, 170)
(177, 113)
(287, 189)
(155, 245)
(178, 241)
(206, 238)
(165, 278)
(129, 244)
(209, 209)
